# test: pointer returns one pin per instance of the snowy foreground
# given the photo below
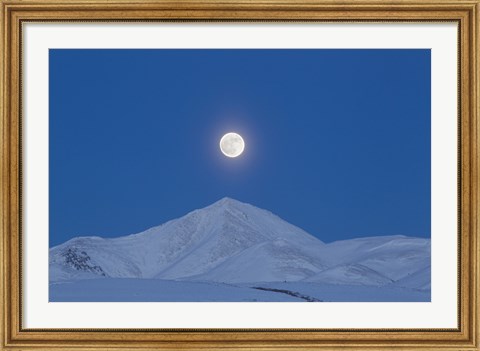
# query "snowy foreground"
(155, 290)
(232, 251)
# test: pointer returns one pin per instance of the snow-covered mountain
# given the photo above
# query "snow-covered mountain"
(220, 235)
(233, 242)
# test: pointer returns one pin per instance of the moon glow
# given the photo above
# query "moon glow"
(232, 145)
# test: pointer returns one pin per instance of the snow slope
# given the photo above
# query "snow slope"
(352, 274)
(233, 242)
(371, 258)
(419, 280)
(276, 260)
(352, 293)
(157, 290)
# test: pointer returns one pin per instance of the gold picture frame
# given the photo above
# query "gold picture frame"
(14, 13)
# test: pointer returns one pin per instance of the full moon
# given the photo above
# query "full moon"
(232, 145)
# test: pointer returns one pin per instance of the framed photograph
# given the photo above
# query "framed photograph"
(243, 175)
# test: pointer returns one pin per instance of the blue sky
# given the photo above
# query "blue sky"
(337, 141)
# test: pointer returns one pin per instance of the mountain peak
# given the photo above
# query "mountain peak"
(228, 204)
(227, 201)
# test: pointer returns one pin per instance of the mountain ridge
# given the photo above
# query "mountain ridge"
(233, 242)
